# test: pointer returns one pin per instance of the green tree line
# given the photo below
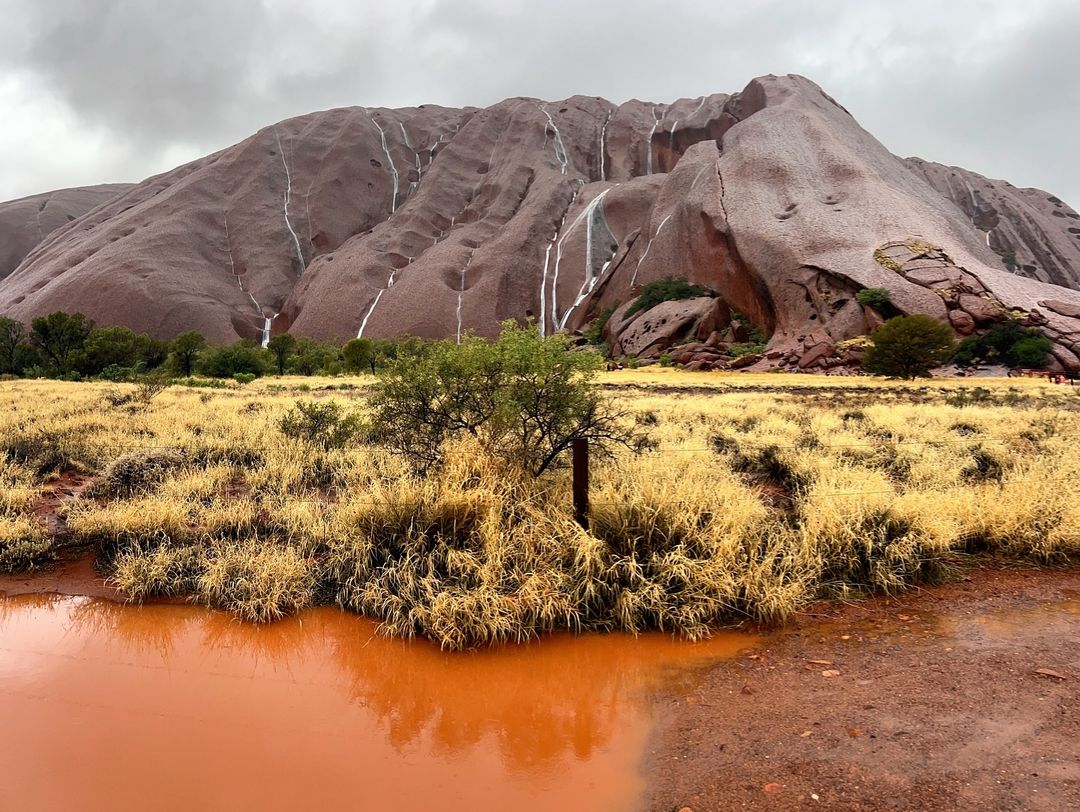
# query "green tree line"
(70, 346)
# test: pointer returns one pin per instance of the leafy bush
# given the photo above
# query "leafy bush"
(671, 289)
(666, 360)
(113, 352)
(524, 397)
(1009, 343)
(243, 357)
(320, 424)
(909, 347)
(1031, 351)
(311, 357)
(594, 333)
(747, 348)
(243, 377)
(877, 298)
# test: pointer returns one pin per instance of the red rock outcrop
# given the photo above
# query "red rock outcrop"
(26, 222)
(434, 221)
(1036, 233)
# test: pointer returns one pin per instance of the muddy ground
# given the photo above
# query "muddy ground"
(960, 697)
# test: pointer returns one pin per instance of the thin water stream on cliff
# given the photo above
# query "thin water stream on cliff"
(115, 707)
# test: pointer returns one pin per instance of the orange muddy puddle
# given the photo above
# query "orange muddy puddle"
(114, 707)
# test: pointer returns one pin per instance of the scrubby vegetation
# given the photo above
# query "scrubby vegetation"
(524, 399)
(1009, 343)
(663, 290)
(750, 499)
(68, 346)
(877, 298)
(909, 347)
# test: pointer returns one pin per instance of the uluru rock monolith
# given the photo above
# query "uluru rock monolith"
(432, 221)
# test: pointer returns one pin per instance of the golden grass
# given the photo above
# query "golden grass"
(760, 496)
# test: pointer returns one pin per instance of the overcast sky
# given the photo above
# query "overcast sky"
(94, 91)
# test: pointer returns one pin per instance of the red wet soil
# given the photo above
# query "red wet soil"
(960, 697)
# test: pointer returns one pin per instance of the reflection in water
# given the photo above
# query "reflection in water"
(174, 707)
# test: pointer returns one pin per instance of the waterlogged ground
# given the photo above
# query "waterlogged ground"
(960, 697)
(112, 707)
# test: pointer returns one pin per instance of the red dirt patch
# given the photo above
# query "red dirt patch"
(937, 699)
(72, 574)
(66, 488)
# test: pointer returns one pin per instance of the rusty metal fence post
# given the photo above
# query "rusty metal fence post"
(580, 450)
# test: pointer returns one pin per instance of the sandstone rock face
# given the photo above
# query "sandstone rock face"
(25, 223)
(1033, 228)
(432, 221)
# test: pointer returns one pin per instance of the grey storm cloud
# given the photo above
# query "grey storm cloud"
(114, 90)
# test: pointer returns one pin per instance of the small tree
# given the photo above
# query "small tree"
(359, 354)
(59, 336)
(184, 352)
(1030, 351)
(909, 347)
(310, 357)
(108, 347)
(12, 337)
(525, 398)
(281, 347)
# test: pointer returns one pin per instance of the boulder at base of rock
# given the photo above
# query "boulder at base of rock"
(650, 333)
(962, 322)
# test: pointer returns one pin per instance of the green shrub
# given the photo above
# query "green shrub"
(1031, 351)
(666, 360)
(243, 357)
(312, 357)
(909, 347)
(877, 298)
(243, 377)
(747, 348)
(1009, 343)
(665, 290)
(321, 424)
(594, 333)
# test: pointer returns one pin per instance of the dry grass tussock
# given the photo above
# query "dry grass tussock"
(751, 504)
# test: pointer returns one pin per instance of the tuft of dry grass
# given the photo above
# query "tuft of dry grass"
(24, 545)
(258, 582)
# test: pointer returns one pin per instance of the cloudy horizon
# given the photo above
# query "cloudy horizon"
(97, 91)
